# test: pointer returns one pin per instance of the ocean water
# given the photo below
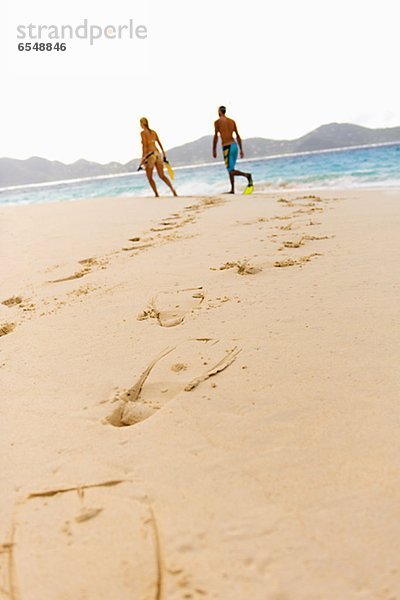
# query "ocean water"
(373, 166)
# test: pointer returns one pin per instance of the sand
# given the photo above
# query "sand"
(199, 398)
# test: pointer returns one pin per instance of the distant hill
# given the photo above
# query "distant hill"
(334, 135)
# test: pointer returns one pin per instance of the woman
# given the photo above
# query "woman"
(151, 156)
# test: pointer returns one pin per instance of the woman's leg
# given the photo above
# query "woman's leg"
(163, 177)
(149, 173)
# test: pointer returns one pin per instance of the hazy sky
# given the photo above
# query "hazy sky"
(283, 67)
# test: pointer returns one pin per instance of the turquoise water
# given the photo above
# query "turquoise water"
(346, 168)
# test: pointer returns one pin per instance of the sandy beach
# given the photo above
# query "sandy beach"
(199, 398)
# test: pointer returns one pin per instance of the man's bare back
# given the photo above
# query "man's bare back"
(226, 127)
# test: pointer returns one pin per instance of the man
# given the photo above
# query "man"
(226, 127)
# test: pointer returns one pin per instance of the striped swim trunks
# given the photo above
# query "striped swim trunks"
(230, 156)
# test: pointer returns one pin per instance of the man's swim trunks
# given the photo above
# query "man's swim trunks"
(230, 156)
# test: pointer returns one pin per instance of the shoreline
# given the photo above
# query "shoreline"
(256, 194)
(199, 165)
(204, 390)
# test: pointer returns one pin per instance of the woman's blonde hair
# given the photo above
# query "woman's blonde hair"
(144, 122)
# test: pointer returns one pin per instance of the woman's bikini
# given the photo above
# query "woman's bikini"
(151, 140)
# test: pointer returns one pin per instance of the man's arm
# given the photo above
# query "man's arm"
(215, 140)
(239, 141)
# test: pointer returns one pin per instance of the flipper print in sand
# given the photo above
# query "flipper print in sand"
(171, 308)
(97, 542)
(221, 365)
(152, 391)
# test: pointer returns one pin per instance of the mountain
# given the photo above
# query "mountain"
(334, 135)
(40, 170)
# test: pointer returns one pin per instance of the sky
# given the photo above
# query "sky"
(282, 67)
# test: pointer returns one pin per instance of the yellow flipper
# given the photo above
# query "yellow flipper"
(170, 170)
(248, 190)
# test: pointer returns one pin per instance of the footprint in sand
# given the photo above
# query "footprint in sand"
(285, 202)
(305, 238)
(93, 262)
(292, 262)
(88, 264)
(23, 305)
(164, 228)
(243, 267)
(62, 540)
(157, 240)
(292, 244)
(189, 365)
(287, 227)
(204, 204)
(281, 217)
(171, 308)
(13, 301)
(311, 197)
(76, 275)
(308, 211)
(6, 328)
(83, 290)
(217, 302)
(254, 221)
(171, 223)
(140, 244)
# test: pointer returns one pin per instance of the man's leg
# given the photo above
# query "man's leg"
(231, 158)
(232, 180)
(236, 173)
